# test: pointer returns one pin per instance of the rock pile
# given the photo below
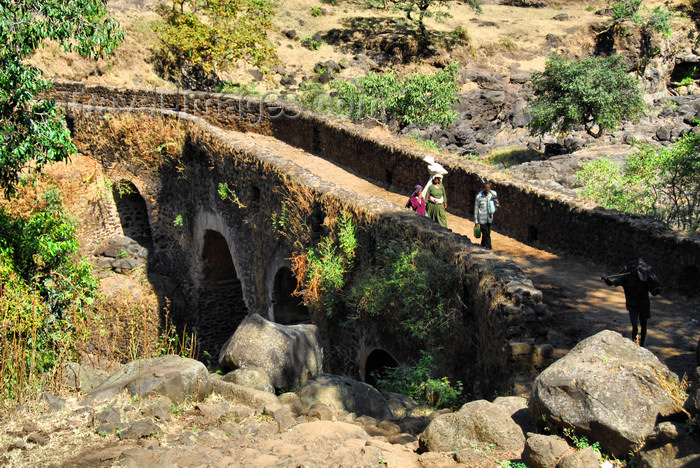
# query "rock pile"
(120, 254)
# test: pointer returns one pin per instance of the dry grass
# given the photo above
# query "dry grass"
(152, 142)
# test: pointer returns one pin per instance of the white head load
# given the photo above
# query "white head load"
(433, 167)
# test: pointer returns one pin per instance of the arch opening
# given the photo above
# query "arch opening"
(377, 363)
(133, 214)
(287, 308)
(221, 304)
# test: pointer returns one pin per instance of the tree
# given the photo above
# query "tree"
(661, 183)
(32, 131)
(592, 92)
(217, 35)
(414, 99)
(417, 10)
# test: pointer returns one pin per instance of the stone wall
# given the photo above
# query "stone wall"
(501, 307)
(543, 219)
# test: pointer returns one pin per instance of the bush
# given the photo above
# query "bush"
(656, 20)
(415, 99)
(658, 182)
(322, 269)
(417, 382)
(593, 91)
(45, 295)
(410, 284)
(215, 35)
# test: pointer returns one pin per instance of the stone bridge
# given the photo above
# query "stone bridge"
(225, 258)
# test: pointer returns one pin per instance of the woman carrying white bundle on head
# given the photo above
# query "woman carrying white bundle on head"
(434, 192)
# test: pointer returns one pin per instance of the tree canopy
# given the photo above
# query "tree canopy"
(595, 91)
(417, 10)
(217, 34)
(33, 132)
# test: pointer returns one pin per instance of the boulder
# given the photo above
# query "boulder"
(53, 402)
(669, 446)
(478, 422)
(517, 409)
(83, 378)
(344, 394)
(243, 395)
(251, 377)
(606, 388)
(289, 354)
(171, 376)
(586, 458)
(542, 451)
(141, 429)
(521, 117)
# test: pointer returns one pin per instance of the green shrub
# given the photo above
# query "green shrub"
(322, 269)
(428, 144)
(624, 10)
(411, 285)
(315, 11)
(460, 35)
(580, 442)
(417, 382)
(215, 35)
(656, 20)
(310, 43)
(658, 182)
(593, 91)
(45, 295)
(415, 99)
(314, 96)
(246, 89)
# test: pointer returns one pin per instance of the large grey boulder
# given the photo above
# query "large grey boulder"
(345, 394)
(478, 422)
(606, 388)
(289, 354)
(518, 409)
(83, 378)
(172, 376)
(251, 377)
(542, 451)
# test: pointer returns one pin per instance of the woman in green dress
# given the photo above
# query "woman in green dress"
(437, 201)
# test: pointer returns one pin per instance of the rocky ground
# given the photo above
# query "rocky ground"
(170, 411)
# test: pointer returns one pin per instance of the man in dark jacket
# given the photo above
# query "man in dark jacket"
(637, 279)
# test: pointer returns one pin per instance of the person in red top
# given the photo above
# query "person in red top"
(417, 202)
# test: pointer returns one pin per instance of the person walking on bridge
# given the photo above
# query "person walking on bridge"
(437, 200)
(416, 202)
(637, 279)
(434, 192)
(484, 207)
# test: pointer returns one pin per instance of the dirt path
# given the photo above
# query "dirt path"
(579, 303)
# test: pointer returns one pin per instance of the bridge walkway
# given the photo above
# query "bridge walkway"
(579, 304)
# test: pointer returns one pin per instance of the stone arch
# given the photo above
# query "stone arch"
(376, 362)
(287, 309)
(220, 294)
(132, 210)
